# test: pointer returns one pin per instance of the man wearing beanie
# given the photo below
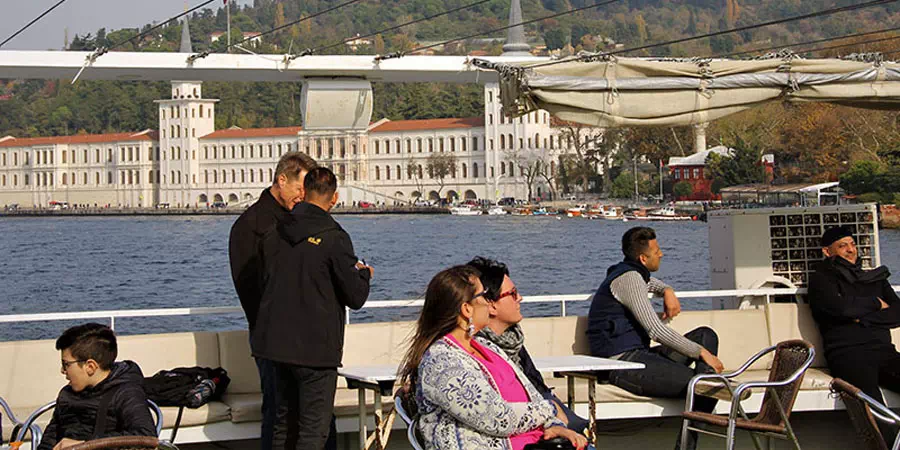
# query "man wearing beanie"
(855, 310)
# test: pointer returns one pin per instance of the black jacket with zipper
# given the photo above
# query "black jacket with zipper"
(127, 413)
(309, 278)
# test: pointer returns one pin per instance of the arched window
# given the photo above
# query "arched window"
(430, 145)
(201, 111)
(465, 172)
(377, 147)
(452, 144)
(271, 175)
(419, 145)
(502, 142)
(215, 177)
(441, 144)
(224, 176)
(233, 176)
(502, 168)
(399, 173)
(462, 143)
(509, 140)
(64, 177)
(387, 172)
(474, 170)
(377, 172)
(251, 175)
(474, 144)
(408, 146)
(243, 176)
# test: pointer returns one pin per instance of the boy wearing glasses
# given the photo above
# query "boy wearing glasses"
(104, 398)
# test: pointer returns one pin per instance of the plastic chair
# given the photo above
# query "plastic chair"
(864, 411)
(400, 402)
(792, 358)
(37, 434)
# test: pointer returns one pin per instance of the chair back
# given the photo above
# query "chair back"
(405, 405)
(860, 415)
(792, 358)
(37, 434)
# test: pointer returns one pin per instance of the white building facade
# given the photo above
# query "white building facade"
(189, 163)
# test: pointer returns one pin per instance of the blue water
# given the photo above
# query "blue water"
(66, 264)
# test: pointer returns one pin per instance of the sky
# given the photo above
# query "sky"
(82, 17)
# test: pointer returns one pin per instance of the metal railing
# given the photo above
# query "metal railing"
(562, 300)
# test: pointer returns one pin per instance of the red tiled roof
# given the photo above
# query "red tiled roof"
(238, 133)
(428, 124)
(146, 135)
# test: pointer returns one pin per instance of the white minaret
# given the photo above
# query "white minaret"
(183, 120)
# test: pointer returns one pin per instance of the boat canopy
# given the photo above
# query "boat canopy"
(609, 91)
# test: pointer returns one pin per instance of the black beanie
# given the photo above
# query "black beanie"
(835, 234)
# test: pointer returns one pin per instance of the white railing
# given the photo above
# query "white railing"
(562, 300)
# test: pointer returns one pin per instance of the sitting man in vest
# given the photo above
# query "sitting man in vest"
(622, 322)
(503, 329)
(855, 310)
(103, 399)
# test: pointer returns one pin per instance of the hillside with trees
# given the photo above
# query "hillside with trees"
(811, 142)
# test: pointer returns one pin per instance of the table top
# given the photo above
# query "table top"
(567, 363)
(581, 363)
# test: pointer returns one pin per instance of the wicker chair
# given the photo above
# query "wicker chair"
(125, 442)
(36, 433)
(863, 411)
(792, 358)
(405, 406)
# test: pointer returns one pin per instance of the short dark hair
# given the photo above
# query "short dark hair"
(292, 163)
(90, 341)
(636, 241)
(320, 182)
(492, 273)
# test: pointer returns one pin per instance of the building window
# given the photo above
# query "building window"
(201, 111)
(462, 143)
(502, 142)
(419, 145)
(452, 144)
(677, 174)
(270, 152)
(474, 170)
(377, 147)
(441, 144)
(430, 145)
(465, 172)
(490, 119)
(377, 170)
(387, 172)
(696, 173)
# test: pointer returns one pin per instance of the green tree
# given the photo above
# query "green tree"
(862, 177)
(683, 189)
(743, 166)
(440, 166)
(555, 39)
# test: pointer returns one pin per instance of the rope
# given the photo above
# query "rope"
(818, 41)
(29, 24)
(157, 26)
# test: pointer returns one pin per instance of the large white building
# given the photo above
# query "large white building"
(189, 162)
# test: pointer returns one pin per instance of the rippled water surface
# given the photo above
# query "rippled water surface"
(69, 264)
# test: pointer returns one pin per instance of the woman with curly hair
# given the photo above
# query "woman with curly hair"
(469, 396)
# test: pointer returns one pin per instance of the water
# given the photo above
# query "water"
(65, 264)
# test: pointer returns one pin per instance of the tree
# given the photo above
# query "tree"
(440, 166)
(682, 189)
(743, 166)
(586, 142)
(555, 39)
(531, 163)
(862, 177)
(413, 172)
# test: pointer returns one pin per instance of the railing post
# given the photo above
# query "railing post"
(563, 307)
(112, 323)
(347, 312)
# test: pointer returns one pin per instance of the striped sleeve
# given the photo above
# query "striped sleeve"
(631, 290)
(657, 287)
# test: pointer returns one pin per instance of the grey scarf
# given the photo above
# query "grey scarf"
(511, 341)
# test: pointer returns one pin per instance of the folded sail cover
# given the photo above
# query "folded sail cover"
(652, 92)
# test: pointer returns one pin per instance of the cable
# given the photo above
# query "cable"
(822, 13)
(820, 49)
(819, 41)
(289, 24)
(527, 22)
(60, 2)
(151, 29)
(393, 28)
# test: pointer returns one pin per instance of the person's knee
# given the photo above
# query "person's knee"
(707, 337)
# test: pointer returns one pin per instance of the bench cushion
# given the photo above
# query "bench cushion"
(211, 412)
(234, 353)
(30, 374)
(789, 321)
(742, 333)
(248, 407)
(167, 351)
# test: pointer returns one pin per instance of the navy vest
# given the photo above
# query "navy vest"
(612, 328)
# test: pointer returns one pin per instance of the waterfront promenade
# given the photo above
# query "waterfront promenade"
(203, 211)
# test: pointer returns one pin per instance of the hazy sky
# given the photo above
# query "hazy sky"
(81, 17)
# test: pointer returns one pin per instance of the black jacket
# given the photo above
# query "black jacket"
(848, 312)
(127, 413)
(309, 278)
(243, 250)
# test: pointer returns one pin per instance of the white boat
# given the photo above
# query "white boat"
(496, 211)
(577, 211)
(465, 210)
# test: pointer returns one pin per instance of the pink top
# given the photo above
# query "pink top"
(510, 388)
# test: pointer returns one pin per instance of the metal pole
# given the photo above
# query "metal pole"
(228, 23)
(660, 181)
(634, 170)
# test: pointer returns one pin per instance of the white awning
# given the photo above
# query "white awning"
(611, 91)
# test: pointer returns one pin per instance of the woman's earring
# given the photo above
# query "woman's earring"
(470, 332)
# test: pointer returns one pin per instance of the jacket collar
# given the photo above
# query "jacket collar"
(637, 265)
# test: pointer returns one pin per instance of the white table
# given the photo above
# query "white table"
(587, 368)
(379, 379)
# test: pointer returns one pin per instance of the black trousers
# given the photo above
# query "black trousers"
(667, 374)
(305, 406)
(868, 369)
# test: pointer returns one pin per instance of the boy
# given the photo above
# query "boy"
(104, 398)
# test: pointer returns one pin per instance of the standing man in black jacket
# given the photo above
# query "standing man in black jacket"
(104, 398)
(855, 310)
(275, 204)
(310, 275)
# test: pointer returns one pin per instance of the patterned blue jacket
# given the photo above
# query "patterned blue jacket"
(460, 407)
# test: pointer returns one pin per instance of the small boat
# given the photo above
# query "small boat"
(522, 211)
(666, 214)
(577, 211)
(541, 212)
(496, 211)
(465, 210)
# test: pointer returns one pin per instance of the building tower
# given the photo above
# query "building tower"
(515, 36)
(183, 120)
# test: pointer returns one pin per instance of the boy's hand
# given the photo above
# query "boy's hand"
(65, 442)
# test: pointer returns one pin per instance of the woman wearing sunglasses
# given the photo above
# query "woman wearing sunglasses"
(469, 396)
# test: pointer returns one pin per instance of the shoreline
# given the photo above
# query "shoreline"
(94, 212)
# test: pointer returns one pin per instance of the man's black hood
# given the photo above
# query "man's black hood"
(306, 221)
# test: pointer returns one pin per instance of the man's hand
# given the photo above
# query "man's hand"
(884, 305)
(671, 304)
(65, 442)
(712, 360)
(361, 266)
